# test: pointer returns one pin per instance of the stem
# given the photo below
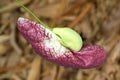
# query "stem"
(28, 10)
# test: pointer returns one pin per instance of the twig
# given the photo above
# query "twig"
(35, 69)
(4, 38)
(15, 77)
(7, 75)
(115, 53)
(12, 6)
(3, 27)
(60, 73)
(18, 67)
(61, 8)
(81, 15)
(12, 37)
(75, 7)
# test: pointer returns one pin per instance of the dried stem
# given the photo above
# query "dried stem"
(81, 15)
(12, 6)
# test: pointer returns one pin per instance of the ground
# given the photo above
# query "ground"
(98, 21)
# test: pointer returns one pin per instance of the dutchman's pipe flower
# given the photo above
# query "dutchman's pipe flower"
(48, 45)
(60, 45)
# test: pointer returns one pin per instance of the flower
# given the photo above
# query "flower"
(47, 44)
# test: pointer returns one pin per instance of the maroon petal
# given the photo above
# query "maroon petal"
(46, 44)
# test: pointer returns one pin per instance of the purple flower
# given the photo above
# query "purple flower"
(46, 44)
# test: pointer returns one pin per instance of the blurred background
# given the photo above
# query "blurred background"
(98, 21)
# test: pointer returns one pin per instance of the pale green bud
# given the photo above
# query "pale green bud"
(69, 38)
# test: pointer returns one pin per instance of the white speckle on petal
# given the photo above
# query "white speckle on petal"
(21, 20)
(54, 43)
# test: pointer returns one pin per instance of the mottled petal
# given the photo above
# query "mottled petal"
(46, 44)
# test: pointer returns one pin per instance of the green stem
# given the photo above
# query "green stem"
(28, 10)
